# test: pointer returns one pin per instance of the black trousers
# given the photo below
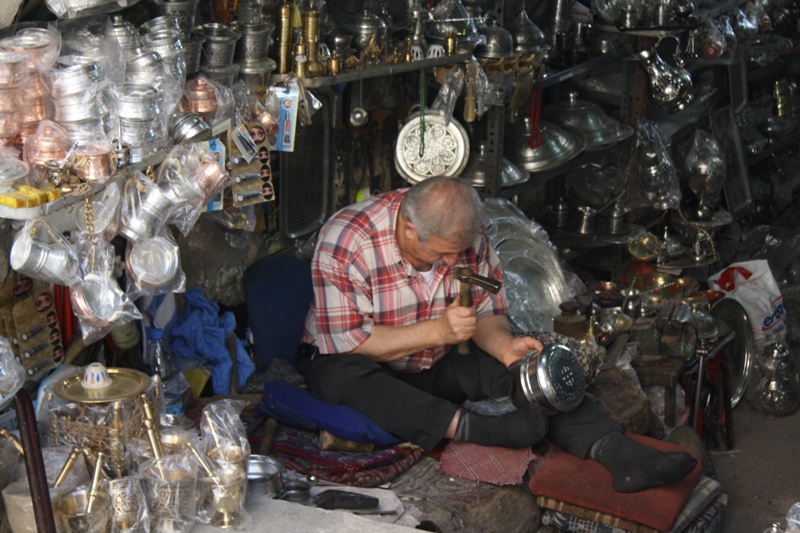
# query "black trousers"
(419, 407)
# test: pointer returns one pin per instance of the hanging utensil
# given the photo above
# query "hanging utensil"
(359, 116)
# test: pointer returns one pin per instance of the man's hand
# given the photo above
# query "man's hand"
(457, 324)
(494, 336)
(518, 348)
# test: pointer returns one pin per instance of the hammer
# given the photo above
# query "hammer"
(467, 278)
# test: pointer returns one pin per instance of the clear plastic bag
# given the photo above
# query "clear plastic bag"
(188, 177)
(171, 489)
(98, 301)
(41, 252)
(449, 92)
(654, 173)
(706, 168)
(51, 141)
(128, 504)
(308, 104)
(756, 13)
(744, 27)
(723, 25)
(144, 208)
(12, 373)
(154, 266)
(92, 37)
(793, 519)
(773, 389)
(223, 432)
(709, 42)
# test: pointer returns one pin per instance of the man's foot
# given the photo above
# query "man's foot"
(524, 427)
(635, 467)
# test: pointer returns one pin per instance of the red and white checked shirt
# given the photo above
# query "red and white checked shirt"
(361, 280)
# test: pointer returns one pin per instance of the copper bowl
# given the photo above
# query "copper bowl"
(269, 122)
(95, 162)
(9, 100)
(200, 97)
(35, 111)
(211, 176)
(10, 67)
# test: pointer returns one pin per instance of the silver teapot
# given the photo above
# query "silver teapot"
(669, 86)
(776, 388)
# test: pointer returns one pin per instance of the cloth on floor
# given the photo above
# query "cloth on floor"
(299, 450)
(587, 484)
(489, 464)
(200, 332)
(297, 407)
(700, 510)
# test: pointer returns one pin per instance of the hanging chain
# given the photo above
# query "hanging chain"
(422, 105)
(89, 215)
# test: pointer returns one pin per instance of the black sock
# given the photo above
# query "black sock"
(635, 467)
(524, 427)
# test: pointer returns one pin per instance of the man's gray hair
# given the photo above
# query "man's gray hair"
(446, 207)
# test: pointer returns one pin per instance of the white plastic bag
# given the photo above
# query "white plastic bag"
(752, 284)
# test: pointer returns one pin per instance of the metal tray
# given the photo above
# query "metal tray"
(741, 350)
(125, 383)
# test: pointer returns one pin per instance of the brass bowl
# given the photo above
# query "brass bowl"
(71, 512)
(94, 162)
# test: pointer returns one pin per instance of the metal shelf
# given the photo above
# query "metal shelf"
(774, 147)
(701, 16)
(553, 78)
(375, 72)
(540, 178)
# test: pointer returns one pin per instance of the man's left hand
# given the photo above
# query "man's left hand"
(519, 347)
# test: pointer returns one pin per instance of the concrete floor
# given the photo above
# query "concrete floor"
(762, 475)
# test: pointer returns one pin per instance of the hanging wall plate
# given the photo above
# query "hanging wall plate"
(446, 148)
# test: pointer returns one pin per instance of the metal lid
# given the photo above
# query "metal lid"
(499, 44)
(125, 383)
(599, 129)
(476, 170)
(558, 145)
(188, 126)
(153, 262)
(528, 38)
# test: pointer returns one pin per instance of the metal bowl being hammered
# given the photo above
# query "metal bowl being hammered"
(553, 377)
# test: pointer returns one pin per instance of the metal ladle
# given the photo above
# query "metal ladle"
(359, 116)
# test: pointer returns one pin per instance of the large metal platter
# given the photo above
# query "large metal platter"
(125, 383)
(741, 354)
(446, 149)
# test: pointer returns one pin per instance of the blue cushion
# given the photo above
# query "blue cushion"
(294, 406)
(278, 293)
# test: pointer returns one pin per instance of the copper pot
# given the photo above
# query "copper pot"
(10, 67)
(35, 43)
(211, 176)
(200, 97)
(269, 122)
(9, 125)
(35, 111)
(9, 100)
(47, 145)
(94, 162)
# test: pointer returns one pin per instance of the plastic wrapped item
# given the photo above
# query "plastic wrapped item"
(78, 8)
(144, 208)
(188, 177)
(774, 388)
(656, 394)
(793, 519)
(445, 102)
(744, 27)
(98, 301)
(41, 46)
(171, 491)
(17, 495)
(92, 38)
(709, 42)
(41, 252)
(222, 499)
(128, 504)
(308, 104)
(706, 171)
(153, 265)
(50, 142)
(224, 433)
(12, 373)
(765, 49)
(209, 99)
(654, 173)
(723, 25)
(756, 13)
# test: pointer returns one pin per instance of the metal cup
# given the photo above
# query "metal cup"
(128, 503)
(171, 494)
(227, 496)
(144, 221)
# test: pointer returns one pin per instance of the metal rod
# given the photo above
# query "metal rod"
(67, 468)
(98, 472)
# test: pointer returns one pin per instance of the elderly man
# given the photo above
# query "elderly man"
(386, 321)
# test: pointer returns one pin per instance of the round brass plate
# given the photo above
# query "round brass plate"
(125, 383)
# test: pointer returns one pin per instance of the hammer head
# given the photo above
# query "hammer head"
(465, 275)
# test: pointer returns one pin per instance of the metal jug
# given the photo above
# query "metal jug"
(669, 86)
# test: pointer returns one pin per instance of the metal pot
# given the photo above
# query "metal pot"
(599, 129)
(365, 25)
(264, 475)
(553, 377)
(499, 44)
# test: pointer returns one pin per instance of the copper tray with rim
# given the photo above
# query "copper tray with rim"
(125, 383)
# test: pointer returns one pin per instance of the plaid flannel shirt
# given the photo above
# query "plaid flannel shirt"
(361, 280)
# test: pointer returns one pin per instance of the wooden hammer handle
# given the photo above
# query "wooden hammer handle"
(464, 300)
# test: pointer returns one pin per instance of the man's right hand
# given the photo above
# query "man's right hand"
(457, 324)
